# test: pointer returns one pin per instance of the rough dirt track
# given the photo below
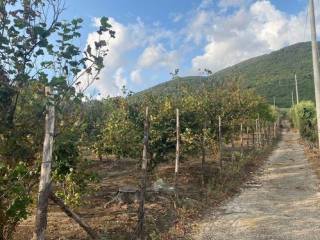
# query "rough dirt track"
(281, 203)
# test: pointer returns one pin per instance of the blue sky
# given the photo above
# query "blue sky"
(155, 37)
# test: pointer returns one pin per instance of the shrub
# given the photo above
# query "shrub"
(303, 117)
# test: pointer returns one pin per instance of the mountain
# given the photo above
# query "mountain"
(272, 75)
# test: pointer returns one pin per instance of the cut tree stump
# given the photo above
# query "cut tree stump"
(128, 194)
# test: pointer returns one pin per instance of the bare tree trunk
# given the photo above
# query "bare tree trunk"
(74, 216)
(140, 226)
(176, 168)
(45, 180)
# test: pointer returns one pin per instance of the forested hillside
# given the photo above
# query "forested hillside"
(272, 75)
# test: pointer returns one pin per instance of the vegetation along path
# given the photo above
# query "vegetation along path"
(281, 202)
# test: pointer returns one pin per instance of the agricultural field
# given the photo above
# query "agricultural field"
(93, 145)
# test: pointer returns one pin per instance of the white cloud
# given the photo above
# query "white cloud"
(177, 17)
(232, 3)
(127, 38)
(205, 4)
(224, 38)
(135, 76)
(245, 33)
(119, 79)
(156, 56)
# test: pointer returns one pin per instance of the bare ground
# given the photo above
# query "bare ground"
(282, 202)
(167, 218)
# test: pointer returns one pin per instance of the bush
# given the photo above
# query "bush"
(15, 184)
(303, 117)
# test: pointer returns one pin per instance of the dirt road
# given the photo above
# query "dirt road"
(281, 203)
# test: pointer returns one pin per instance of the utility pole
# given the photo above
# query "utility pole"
(316, 72)
(274, 102)
(297, 92)
(292, 99)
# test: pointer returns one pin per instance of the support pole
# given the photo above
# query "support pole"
(316, 71)
(140, 226)
(247, 136)
(220, 143)
(296, 83)
(292, 99)
(74, 216)
(241, 138)
(45, 178)
(176, 168)
(257, 132)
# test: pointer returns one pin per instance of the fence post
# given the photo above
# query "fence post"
(176, 168)
(45, 178)
(257, 132)
(241, 138)
(247, 134)
(220, 143)
(203, 151)
(140, 227)
(232, 145)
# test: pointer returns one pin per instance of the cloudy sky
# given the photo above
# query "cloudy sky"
(153, 37)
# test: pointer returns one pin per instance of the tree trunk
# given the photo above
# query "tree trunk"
(45, 181)
(140, 226)
(74, 216)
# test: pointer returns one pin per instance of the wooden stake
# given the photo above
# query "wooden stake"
(220, 143)
(232, 145)
(257, 132)
(253, 137)
(45, 178)
(74, 216)
(247, 134)
(241, 138)
(176, 169)
(140, 227)
(296, 83)
(203, 151)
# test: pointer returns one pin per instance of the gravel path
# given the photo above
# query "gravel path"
(281, 203)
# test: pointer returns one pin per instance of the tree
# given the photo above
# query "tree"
(37, 50)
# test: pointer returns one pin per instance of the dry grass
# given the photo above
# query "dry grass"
(167, 216)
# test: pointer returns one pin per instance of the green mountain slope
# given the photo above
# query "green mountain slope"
(272, 75)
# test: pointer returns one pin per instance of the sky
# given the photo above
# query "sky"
(154, 37)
